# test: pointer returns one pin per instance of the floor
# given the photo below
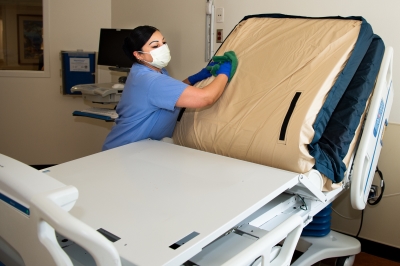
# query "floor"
(362, 259)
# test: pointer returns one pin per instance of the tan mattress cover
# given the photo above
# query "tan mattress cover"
(277, 59)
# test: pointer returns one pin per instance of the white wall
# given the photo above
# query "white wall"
(37, 126)
(181, 22)
(380, 221)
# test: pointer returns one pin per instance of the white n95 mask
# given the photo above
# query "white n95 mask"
(161, 56)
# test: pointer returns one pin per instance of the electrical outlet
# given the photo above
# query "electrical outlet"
(220, 36)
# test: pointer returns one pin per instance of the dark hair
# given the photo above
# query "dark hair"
(136, 39)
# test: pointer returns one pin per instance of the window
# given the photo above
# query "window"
(24, 38)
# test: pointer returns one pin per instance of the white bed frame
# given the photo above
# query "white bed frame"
(163, 204)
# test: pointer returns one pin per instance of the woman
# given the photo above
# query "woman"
(151, 99)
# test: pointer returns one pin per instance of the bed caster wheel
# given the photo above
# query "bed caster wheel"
(345, 261)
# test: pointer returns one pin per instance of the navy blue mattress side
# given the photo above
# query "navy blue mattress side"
(330, 150)
(360, 48)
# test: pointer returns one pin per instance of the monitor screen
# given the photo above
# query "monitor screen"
(110, 48)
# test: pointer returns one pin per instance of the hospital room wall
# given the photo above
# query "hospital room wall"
(381, 221)
(37, 126)
(183, 24)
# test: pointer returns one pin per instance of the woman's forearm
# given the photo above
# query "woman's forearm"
(215, 88)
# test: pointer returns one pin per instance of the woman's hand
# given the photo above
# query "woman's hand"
(203, 74)
(225, 69)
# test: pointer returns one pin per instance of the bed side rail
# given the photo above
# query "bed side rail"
(371, 141)
(51, 217)
(28, 224)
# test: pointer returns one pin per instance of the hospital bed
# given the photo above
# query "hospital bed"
(158, 203)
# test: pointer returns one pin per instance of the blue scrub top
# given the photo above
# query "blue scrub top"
(147, 107)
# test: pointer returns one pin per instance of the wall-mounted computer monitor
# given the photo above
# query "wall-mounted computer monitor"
(110, 49)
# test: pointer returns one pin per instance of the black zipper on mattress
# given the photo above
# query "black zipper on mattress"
(289, 113)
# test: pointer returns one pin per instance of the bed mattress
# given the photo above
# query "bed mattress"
(292, 74)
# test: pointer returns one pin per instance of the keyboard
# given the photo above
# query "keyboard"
(101, 111)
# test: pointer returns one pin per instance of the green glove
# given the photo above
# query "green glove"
(229, 56)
